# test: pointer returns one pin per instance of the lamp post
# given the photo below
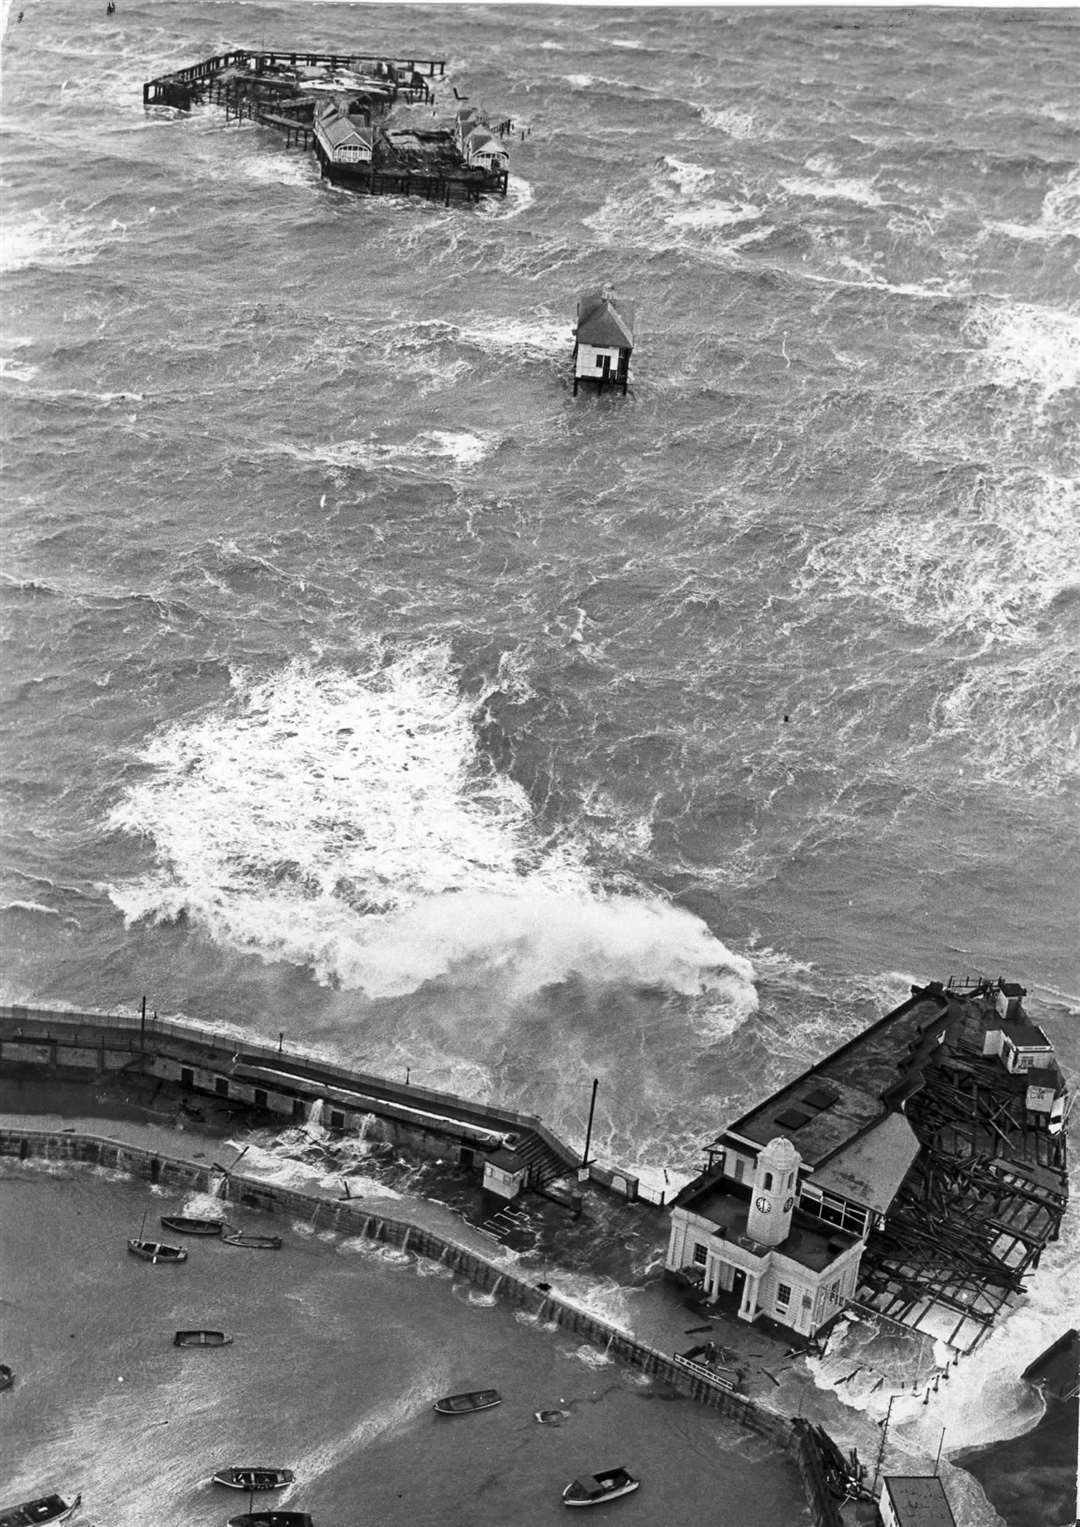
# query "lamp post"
(583, 1170)
(941, 1443)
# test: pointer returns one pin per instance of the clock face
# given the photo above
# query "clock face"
(762, 1204)
(787, 1204)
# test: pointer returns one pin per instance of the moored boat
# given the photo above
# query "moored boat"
(201, 1339)
(256, 1242)
(46, 1508)
(272, 1519)
(184, 1224)
(157, 1251)
(464, 1404)
(595, 1489)
(7, 1376)
(254, 1477)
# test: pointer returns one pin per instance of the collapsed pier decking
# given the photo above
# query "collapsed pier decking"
(340, 106)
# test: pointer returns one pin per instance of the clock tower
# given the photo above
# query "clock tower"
(772, 1198)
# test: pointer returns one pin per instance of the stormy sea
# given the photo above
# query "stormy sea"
(364, 685)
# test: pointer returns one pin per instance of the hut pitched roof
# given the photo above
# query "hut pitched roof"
(605, 322)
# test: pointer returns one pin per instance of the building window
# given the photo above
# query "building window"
(298, 1108)
(767, 1184)
(599, 360)
(740, 1169)
(807, 1301)
(187, 1077)
(221, 1087)
(701, 1254)
(261, 1099)
(337, 1120)
(783, 1295)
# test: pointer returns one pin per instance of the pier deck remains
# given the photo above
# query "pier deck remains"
(279, 89)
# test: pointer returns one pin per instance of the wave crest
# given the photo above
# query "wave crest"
(349, 822)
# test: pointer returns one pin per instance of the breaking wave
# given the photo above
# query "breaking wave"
(349, 822)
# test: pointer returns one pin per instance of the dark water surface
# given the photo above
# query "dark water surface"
(340, 1347)
(361, 682)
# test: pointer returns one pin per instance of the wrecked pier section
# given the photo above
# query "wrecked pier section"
(933, 1144)
(371, 121)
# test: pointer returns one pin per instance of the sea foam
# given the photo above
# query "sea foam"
(1026, 347)
(349, 822)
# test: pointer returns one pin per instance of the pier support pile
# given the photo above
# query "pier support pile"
(984, 1197)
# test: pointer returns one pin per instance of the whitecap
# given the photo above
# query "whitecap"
(733, 121)
(519, 198)
(53, 242)
(12, 370)
(832, 187)
(349, 822)
(543, 337)
(464, 448)
(717, 214)
(944, 569)
(32, 907)
(1024, 346)
(689, 177)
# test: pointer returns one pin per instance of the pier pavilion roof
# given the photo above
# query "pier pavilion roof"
(870, 1168)
(836, 1101)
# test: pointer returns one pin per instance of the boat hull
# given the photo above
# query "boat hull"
(181, 1224)
(45, 1508)
(254, 1477)
(157, 1251)
(272, 1519)
(254, 1242)
(201, 1339)
(466, 1404)
(598, 1489)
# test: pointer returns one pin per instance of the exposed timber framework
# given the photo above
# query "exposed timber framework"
(283, 90)
(936, 1137)
(987, 1191)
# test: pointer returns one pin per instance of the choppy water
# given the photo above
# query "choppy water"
(364, 683)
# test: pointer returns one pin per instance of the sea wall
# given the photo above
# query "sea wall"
(349, 1217)
(278, 1079)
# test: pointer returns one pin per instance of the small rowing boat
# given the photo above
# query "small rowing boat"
(595, 1489)
(464, 1404)
(47, 1508)
(272, 1519)
(256, 1242)
(157, 1251)
(201, 1339)
(183, 1224)
(254, 1477)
